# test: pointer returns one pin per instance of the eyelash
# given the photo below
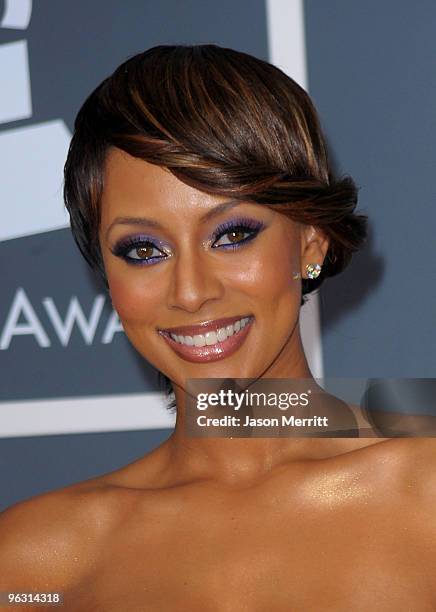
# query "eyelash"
(250, 226)
(247, 226)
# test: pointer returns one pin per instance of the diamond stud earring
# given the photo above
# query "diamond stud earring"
(313, 270)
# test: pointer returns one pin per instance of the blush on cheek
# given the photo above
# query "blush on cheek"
(273, 274)
(130, 302)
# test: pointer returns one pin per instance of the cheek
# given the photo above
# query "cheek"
(134, 300)
(268, 273)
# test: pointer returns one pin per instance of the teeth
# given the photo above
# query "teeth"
(221, 334)
(199, 340)
(212, 337)
(179, 339)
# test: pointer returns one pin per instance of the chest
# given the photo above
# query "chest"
(260, 559)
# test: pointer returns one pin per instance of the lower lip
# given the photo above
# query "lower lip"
(202, 354)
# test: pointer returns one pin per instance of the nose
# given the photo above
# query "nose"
(195, 280)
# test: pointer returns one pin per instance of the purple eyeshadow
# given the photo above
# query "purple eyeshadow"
(240, 224)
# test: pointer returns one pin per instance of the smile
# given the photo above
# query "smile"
(209, 341)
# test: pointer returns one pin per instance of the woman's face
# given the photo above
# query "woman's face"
(176, 257)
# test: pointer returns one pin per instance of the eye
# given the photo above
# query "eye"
(144, 252)
(233, 237)
(139, 251)
(234, 234)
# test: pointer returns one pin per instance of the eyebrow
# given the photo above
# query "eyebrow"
(145, 222)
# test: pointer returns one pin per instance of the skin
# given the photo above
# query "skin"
(265, 524)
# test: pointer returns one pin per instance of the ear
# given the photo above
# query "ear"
(314, 245)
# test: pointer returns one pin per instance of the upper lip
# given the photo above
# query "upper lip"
(204, 327)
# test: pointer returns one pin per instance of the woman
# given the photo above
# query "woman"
(198, 184)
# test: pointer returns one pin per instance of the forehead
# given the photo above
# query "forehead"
(133, 186)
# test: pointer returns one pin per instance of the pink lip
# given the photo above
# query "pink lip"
(201, 354)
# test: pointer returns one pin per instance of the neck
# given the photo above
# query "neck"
(238, 461)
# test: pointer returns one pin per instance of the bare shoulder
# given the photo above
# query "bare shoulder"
(419, 461)
(419, 491)
(415, 459)
(51, 541)
(410, 463)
